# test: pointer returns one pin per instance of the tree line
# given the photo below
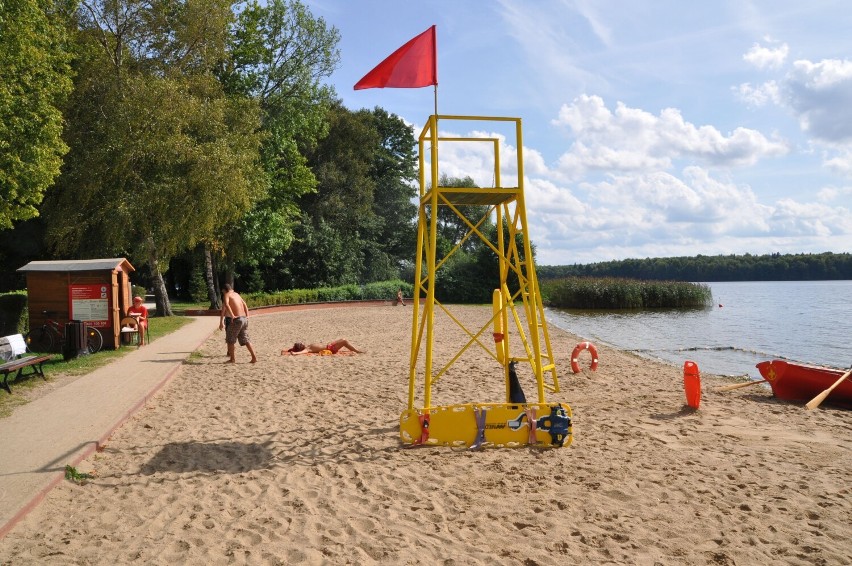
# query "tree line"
(199, 139)
(747, 267)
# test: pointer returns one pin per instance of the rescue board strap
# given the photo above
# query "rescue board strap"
(480, 428)
(424, 432)
(532, 422)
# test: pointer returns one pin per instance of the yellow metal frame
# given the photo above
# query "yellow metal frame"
(507, 203)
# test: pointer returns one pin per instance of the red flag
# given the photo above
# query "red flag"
(413, 65)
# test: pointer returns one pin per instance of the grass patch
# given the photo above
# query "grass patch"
(160, 326)
(179, 308)
(57, 368)
(194, 358)
(80, 478)
(9, 402)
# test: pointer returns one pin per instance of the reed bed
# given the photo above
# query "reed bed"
(617, 293)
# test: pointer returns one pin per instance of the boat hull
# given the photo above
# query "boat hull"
(800, 382)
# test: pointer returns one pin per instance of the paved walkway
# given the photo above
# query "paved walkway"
(69, 423)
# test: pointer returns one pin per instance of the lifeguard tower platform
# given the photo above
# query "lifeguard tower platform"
(510, 337)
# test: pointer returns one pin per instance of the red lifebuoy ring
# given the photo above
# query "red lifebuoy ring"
(575, 364)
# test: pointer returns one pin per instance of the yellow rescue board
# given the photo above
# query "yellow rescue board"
(488, 424)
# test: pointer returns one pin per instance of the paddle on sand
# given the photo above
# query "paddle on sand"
(814, 403)
(738, 385)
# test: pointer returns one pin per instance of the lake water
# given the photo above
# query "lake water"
(805, 321)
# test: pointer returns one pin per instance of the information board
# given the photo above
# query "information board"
(90, 303)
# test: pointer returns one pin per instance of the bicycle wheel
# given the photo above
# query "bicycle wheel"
(94, 339)
(41, 340)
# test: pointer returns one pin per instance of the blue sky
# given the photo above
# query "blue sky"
(652, 128)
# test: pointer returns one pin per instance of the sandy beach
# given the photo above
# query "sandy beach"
(297, 460)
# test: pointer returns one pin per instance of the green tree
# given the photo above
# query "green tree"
(34, 82)
(451, 227)
(336, 217)
(279, 54)
(162, 158)
(358, 227)
(394, 169)
(773, 267)
(472, 271)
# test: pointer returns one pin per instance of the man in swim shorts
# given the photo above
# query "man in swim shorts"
(235, 307)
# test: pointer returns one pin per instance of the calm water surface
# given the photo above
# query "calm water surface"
(806, 321)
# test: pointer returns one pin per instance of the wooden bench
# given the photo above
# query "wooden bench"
(13, 354)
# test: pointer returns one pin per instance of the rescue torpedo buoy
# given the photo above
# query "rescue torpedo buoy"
(497, 304)
(575, 363)
(692, 384)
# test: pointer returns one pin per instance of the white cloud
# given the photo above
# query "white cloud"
(821, 96)
(630, 180)
(631, 139)
(840, 162)
(534, 163)
(547, 199)
(476, 159)
(659, 215)
(759, 95)
(552, 39)
(766, 57)
(826, 74)
(635, 210)
(587, 9)
(828, 194)
(649, 212)
(792, 218)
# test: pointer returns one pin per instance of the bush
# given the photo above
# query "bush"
(14, 316)
(463, 279)
(198, 287)
(344, 293)
(386, 290)
(383, 290)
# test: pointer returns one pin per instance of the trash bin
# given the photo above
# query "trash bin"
(75, 340)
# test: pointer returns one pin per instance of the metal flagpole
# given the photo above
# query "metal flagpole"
(436, 101)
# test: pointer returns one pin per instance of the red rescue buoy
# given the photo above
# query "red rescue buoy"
(575, 363)
(692, 384)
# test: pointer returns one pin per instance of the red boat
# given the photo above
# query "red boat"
(800, 382)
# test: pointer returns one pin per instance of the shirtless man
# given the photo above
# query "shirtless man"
(234, 306)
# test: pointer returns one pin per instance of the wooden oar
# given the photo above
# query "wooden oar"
(814, 403)
(738, 385)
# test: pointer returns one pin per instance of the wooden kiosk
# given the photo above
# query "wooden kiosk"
(96, 291)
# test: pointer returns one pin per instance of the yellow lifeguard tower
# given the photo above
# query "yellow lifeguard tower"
(516, 338)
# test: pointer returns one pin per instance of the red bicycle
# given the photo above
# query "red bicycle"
(50, 337)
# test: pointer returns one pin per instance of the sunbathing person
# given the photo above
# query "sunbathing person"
(334, 347)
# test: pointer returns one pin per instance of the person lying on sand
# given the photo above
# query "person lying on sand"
(334, 346)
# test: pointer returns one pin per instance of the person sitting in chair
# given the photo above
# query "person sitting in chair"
(316, 348)
(140, 313)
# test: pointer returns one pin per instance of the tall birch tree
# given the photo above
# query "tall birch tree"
(162, 158)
